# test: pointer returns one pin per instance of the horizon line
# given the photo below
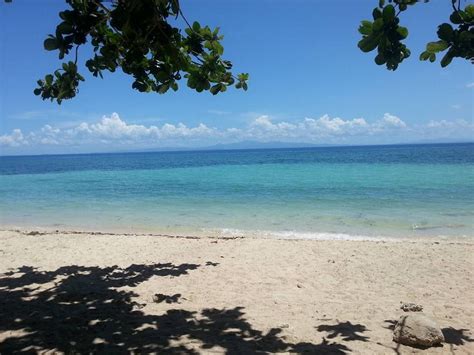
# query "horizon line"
(211, 149)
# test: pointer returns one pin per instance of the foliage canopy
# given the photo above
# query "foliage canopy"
(386, 35)
(139, 37)
(143, 39)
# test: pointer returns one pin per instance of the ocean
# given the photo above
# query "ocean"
(333, 192)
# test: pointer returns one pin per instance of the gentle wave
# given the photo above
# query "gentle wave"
(291, 235)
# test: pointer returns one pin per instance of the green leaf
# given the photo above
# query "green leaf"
(243, 76)
(438, 46)
(403, 32)
(376, 13)
(368, 44)
(469, 11)
(388, 13)
(407, 52)
(162, 76)
(48, 79)
(455, 18)
(163, 88)
(218, 48)
(196, 26)
(192, 81)
(50, 44)
(72, 66)
(446, 59)
(65, 27)
(445, 32)
(381, 3)
(378, 25)
(365, 28)
(465, 37)
(380, 59)
(432, 57)
(37, 91)
(215, 89)
(425, 55)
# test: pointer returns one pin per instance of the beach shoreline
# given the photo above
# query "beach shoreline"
(227, 233)
(217, 295)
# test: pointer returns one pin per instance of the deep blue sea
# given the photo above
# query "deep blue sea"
(393, 191)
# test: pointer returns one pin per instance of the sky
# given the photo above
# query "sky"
(309, 83)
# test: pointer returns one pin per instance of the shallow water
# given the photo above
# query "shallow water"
(409, 190)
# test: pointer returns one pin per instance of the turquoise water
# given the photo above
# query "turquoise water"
(417, 190)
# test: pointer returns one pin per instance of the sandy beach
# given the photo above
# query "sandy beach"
(92, 292)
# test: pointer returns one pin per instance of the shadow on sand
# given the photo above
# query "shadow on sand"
(347, 331)
(78, 309)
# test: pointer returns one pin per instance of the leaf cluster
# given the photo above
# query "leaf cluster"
(137, 37)
(457, 41)
(385, 34)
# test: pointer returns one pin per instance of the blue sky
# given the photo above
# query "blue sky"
(308, 83)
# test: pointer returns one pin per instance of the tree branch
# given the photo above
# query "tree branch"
(185, 19)
(99, 3)
(75, 60)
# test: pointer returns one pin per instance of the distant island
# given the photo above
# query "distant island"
(244, 145)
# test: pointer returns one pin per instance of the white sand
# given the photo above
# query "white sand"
(84, 292)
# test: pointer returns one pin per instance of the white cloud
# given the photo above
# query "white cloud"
(218, 112)
(310, 129)
(393, 121)
(328, 125)
(48, 130)
(449, 130)
(113, 131)
(462, 124)
(470, 85)
(15, 139)
(113, 128)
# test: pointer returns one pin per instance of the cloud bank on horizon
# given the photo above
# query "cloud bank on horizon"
(112, 132)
